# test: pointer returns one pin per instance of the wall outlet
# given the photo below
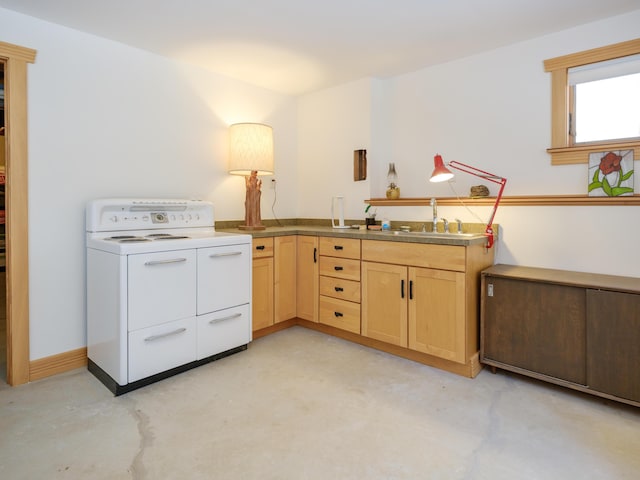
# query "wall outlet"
(272, 184)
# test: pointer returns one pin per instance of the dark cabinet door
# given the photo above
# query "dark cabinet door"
(538, 327)
(613, 335)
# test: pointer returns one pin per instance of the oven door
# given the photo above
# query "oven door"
(161, 287)
(224, 277)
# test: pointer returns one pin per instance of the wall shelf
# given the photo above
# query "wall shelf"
(515, 201)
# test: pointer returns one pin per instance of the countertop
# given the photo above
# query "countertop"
(392, 236)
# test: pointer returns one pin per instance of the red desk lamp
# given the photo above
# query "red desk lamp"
(442, 173)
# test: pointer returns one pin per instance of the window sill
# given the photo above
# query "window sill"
(580, 153)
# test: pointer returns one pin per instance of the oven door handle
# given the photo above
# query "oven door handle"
(223, 319)
(163, 335)
(226, 254)
(164, 262)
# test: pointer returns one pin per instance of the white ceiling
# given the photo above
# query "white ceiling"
(298, 46)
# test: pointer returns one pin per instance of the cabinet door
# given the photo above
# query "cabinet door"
(161, 287)
(613, 337)
(307, 278)
(535, 326)
(262, 298)
(224, 275)
(384, 302)
(285, 278)
(437, 322)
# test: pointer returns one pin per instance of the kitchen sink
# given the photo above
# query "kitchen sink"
(431, 234)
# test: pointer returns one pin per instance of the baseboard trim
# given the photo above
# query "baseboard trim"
(62, 362)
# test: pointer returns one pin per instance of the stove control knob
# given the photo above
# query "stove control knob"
(114, 219)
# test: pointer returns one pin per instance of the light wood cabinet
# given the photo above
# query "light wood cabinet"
(285, 286)
(416, 300)
(574, 329)
(339, 299)
(262, 283)
(307, 278)
(424, 297)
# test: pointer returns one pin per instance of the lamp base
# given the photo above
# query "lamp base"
(252, 227)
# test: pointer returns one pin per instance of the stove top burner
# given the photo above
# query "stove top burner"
(133, 240)
(165, 236)
(147, 238)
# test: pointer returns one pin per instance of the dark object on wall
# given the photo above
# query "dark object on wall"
(359, 165)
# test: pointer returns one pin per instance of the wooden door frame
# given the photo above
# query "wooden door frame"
(15, 60)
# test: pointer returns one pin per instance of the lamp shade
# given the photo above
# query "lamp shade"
(440, 172)
(250, 149)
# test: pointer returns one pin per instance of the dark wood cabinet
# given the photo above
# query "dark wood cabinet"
(574, 329)
(613, 330)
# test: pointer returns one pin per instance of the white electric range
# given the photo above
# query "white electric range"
(165, 291)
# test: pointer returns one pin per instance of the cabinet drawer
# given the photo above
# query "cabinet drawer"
(157, 349)
(340, 288)
(223, 330)
(262, 247)
(444, 257)
(340, 314)
(340, 247)
(340, 267)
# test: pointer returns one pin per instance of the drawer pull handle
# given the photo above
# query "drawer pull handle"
(163, 335)
(337, 269)
(165, 262)
(339, 289)
(401, 288)
(226, 254)
(338, 247)
(338, 314)
(315, 255)
(410, 289)
(260, 247)
(223, 319)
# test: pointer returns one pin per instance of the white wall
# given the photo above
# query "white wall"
(492, 111)
(333, 123)
(109, 120)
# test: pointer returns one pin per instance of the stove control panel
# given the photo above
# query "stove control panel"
(107, 215)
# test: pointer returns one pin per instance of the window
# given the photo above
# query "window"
(605, 102)
(595, 102)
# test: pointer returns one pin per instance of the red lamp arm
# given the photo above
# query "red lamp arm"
(492, 178)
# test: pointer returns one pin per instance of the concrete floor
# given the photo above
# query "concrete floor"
(299, 404)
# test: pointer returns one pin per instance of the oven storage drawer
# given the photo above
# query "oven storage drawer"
(161, 288)
(157, 349)
(224, 277)
(223, 330)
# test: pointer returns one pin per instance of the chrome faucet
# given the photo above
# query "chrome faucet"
(459, 225)
(434, 208)
(445, 223)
